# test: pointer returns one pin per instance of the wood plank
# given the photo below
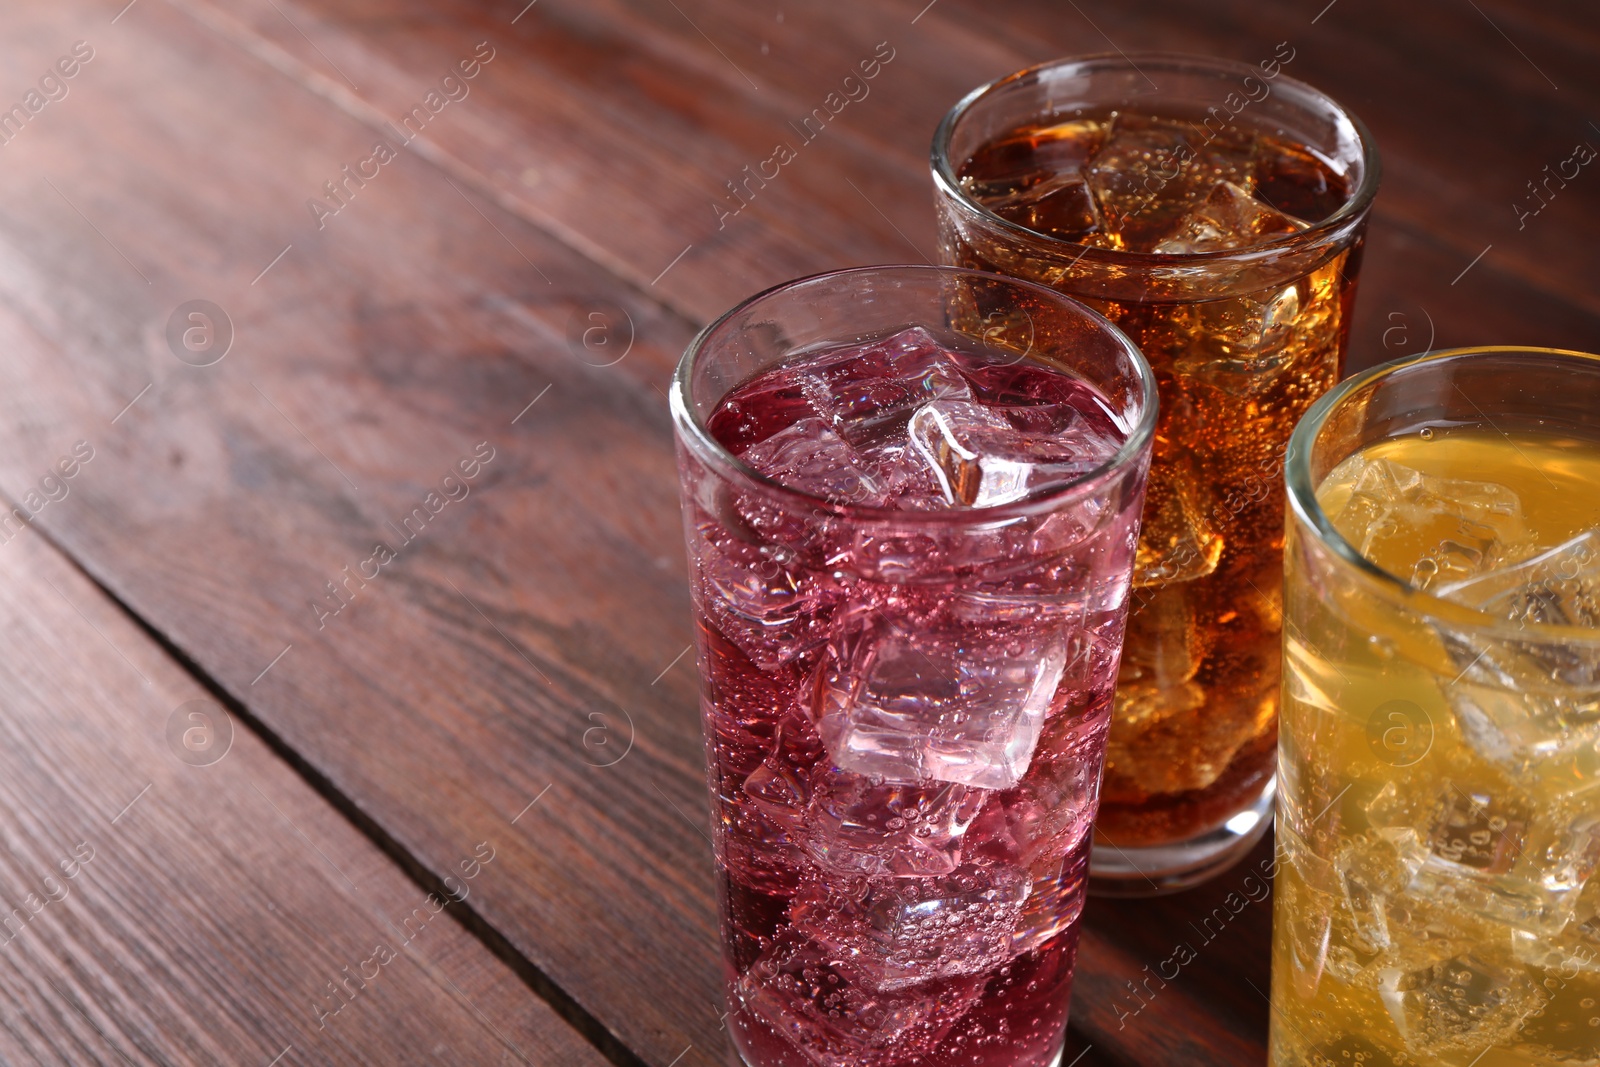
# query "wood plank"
(582, 111)
(194, 901)
(569, 542)
(1408, 302)
(639, 81)
(1181, 979)
(1409, 298)
(458, 688)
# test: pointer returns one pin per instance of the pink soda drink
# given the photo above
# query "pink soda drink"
(911, 498)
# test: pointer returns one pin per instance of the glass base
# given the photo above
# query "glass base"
(1156, 870)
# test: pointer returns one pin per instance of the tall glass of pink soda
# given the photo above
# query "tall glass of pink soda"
(912, 499)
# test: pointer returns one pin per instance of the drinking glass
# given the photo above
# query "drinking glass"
(1439, 790)
(1214, 211)
(911, 498)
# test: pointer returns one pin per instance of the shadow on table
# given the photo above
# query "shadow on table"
(1181, 979)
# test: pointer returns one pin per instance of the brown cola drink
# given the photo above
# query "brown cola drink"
(1223, 240)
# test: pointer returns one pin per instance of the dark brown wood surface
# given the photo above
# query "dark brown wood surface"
(516, 673)
(209, 909)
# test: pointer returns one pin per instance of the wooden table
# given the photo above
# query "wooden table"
(269, 795)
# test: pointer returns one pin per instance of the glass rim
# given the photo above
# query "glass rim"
(1308, 512)
(1346, 217)
(693, 433)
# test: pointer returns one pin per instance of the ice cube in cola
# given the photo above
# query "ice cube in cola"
(906, 742)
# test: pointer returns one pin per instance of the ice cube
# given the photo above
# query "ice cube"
(1307, 933)
(761, 851)
(1144, 704)
(1165, 644)
(866, 393)
(1538, 733)
(1240, 344)
(1035, 155)
(798, 989)
(762, 801)
(858, 825)
(752, 580)
(1147, 714)
(809, 457)
(1532, 704)
(1060, 206)
(1173, 740)
(996, 189)
(1570, 859)
(948, 702)
(1564, 951)
(1423, 933)
(1463, 1004)
(758, 850)
(1151, 172)
(1057, 551)
(1177, 541)
(782, 785)
(1488, 853)
(1167, 735)
(1051, 814)
(1043, 821)
(1575, 948)
(1066, 147)
(1057, 434)
(1432, 530)
(943, 437)
(1227, 218)
(778, 791)
(1397, 812)
(1558, 587)
(1476, 832)
(1311, 825)
(773, 610)
(894, 934)
(1370, 874)
(749, 700)
(981, 456)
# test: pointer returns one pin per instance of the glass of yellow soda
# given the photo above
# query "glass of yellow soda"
(1439, 793)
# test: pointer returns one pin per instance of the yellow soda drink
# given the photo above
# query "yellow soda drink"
(1439, 804)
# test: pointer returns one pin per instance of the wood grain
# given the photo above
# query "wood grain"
(485, 684)
(641, 81)
(212, 911)
(377, 354)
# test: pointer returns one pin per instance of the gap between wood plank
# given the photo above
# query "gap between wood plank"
(543, 986)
